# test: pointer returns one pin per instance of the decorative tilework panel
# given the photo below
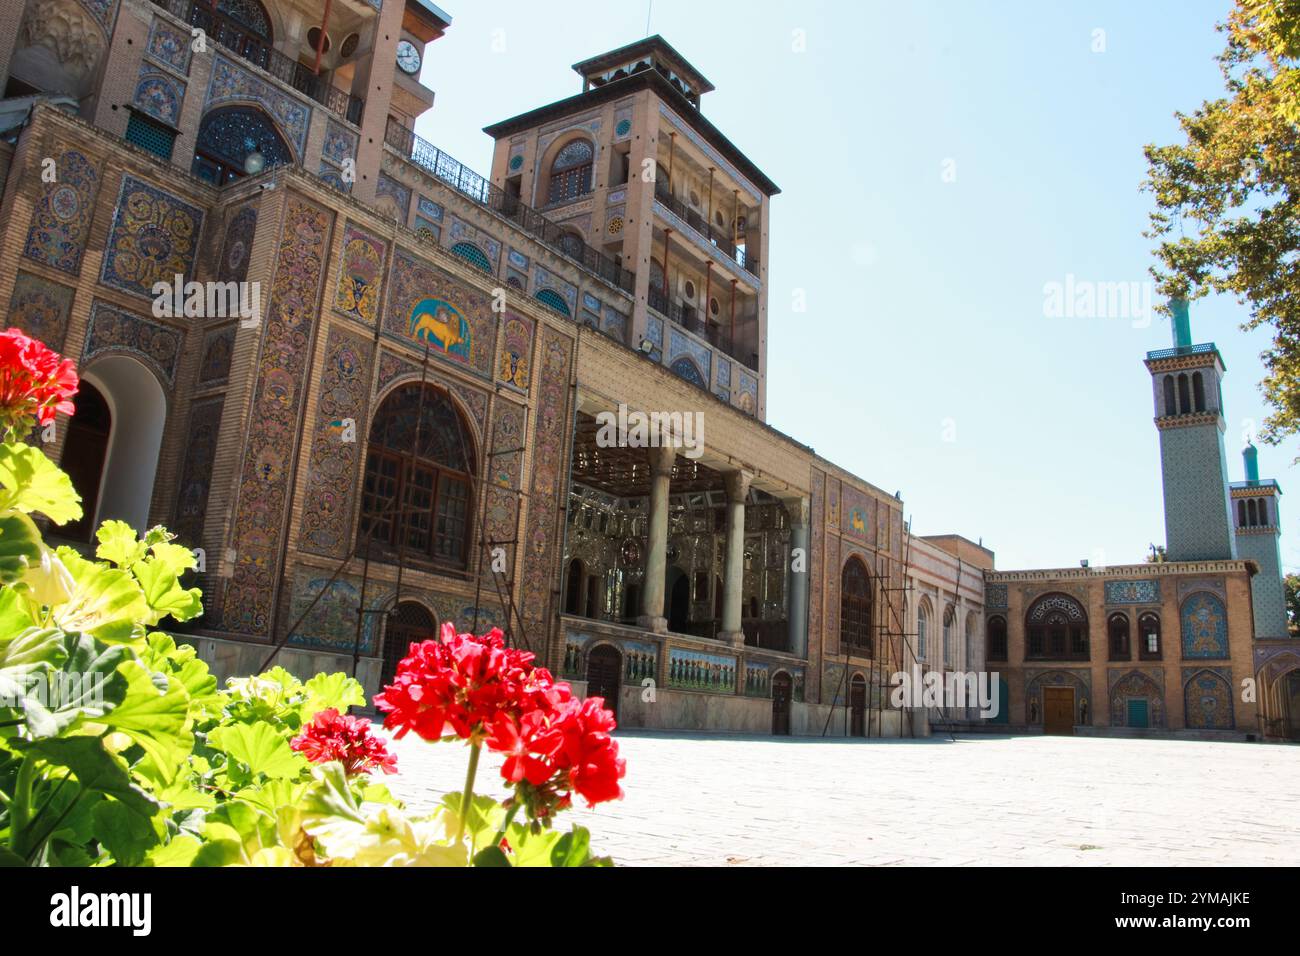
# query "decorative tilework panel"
(856, 514)
(231, 83)
(1133, 592)
(332, 623)
(1137, 684)
(333, 178)
(218, 348)
(1204, 626)
(428, 306)
(196, 472)
(695, 670)
(566, 290)
(748, 389)
(61, 217)
(159, 95)
(505, 466)
(169, 46)
(614, 324)
(387, 186)
(361, 275)
(550, 444)
(340, 144)
(516, 351)
(336, 449)
(995, 595)
(237, 246)
(430, 208)
(114, 330)
(41, 308)
(274, 419)
(462, 231)
(153, 239)
(1207, 698)
(680, 344)
(101, 10)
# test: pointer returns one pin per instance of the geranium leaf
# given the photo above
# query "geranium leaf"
(179, 852)
(164, 594)
(336, 690)
(108, 602)
(31, 482)
(14, 616)
(153, 713)
(492, 856)
(20, 546)
(118, 543)
(126, 835)
(96, 770)
(258, 747)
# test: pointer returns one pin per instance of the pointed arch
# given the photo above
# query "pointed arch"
(230, 136)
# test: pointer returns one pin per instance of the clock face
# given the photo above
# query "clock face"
(408, 57)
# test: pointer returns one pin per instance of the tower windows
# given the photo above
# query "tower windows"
(922, 625)
(1198, 391)
(1117, 629)
(1184, 394)
(1171, 401)
(1149, 637)
(1241, 513)
(571, 172)
(1252, 513)
(997, 648)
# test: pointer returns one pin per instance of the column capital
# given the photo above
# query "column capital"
(799, 508)
(737, 484)
(662, 459)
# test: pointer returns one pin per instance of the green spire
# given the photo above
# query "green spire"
(1182, 323)
(1251, 457)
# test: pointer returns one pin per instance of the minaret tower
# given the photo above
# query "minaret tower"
(1186, 385)
(1259, 532)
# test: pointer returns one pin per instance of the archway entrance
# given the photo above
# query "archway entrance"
(679, 601)
(408, 623)
(88, 433)
(237, 141)
(604, 673)
(781, 686)
(858, 706)
(1058, 710)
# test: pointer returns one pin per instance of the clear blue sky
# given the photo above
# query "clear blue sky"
(925, 304)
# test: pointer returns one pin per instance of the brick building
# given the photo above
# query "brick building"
(384, 409)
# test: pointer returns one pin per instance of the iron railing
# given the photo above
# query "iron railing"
(718, 237)
(463, 179)
(256, 50)
(1200, 349)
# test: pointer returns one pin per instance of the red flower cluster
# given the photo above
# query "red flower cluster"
(335, 736)
(35, 382)
(478, 689)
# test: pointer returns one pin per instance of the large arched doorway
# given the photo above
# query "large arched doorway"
(88, 433)
(408, 623)
(113, 442)
(237, 141)
(416, 502)
(604, 675)
(858, 706)
(855, 607)
(781, 690)
(679, 600)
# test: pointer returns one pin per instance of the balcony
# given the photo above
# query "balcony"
(693, 321)
(716, 237)
(253, 48)
(1203, 348)
(470, 184)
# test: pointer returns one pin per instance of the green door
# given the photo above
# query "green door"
(1137, 712)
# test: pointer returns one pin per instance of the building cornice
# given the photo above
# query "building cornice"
(1160, 569)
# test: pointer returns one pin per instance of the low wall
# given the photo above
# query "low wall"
(239, 659)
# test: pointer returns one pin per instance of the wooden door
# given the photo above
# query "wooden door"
(781, 704)
(1138, 712)
(604, 672)
(1058, 710)
(858, 707)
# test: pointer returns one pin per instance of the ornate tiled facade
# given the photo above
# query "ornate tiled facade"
(154, 238)
(61, 219)
(41, 307)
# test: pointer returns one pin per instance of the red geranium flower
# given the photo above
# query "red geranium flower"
(36, 383)
(349, 740)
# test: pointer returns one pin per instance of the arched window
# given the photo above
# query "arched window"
(417, 496)
(688, 370)
(1184, 394)
(1149, 637)
(1241, 513)
(553, 300)
(968, 650)
(408, 623)
(1198, 391)
(1117, 629)
(573, 587)
(922, 626)
(1251, 514)
(231, 140)
(997, 633)
(249, 14)
(571, 172)
(949, 616)
(855, 606)
(245, 28)
(1263, 512)
(473, 255)
(1056, 627)
(1171, 402)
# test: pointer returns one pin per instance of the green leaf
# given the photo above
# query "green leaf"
(125, 834)
(492, 856)
(20, 546)
(31, 482)
(108, 602)
(175, 558)
(153, 712)
(179, 852)
(163, 593)
(96, 770)
(33, 646)
(87, 685)
(258, 747)
(484, 819)
(118, 544)
(10, 858)
(336, 690)
(14, 616)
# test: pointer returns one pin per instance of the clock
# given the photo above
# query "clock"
(408, 57)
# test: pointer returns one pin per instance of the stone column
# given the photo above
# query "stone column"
(797, 603)
(733, 578)
(656, 558)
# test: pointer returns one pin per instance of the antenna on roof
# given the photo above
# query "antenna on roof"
(650, 5)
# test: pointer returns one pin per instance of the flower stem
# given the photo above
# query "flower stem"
(510, 816)
(468, 795)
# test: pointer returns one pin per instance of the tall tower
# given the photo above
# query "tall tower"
(1259, 531)
(1186, 386)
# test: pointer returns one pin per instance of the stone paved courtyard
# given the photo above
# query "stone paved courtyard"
(978, 800)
